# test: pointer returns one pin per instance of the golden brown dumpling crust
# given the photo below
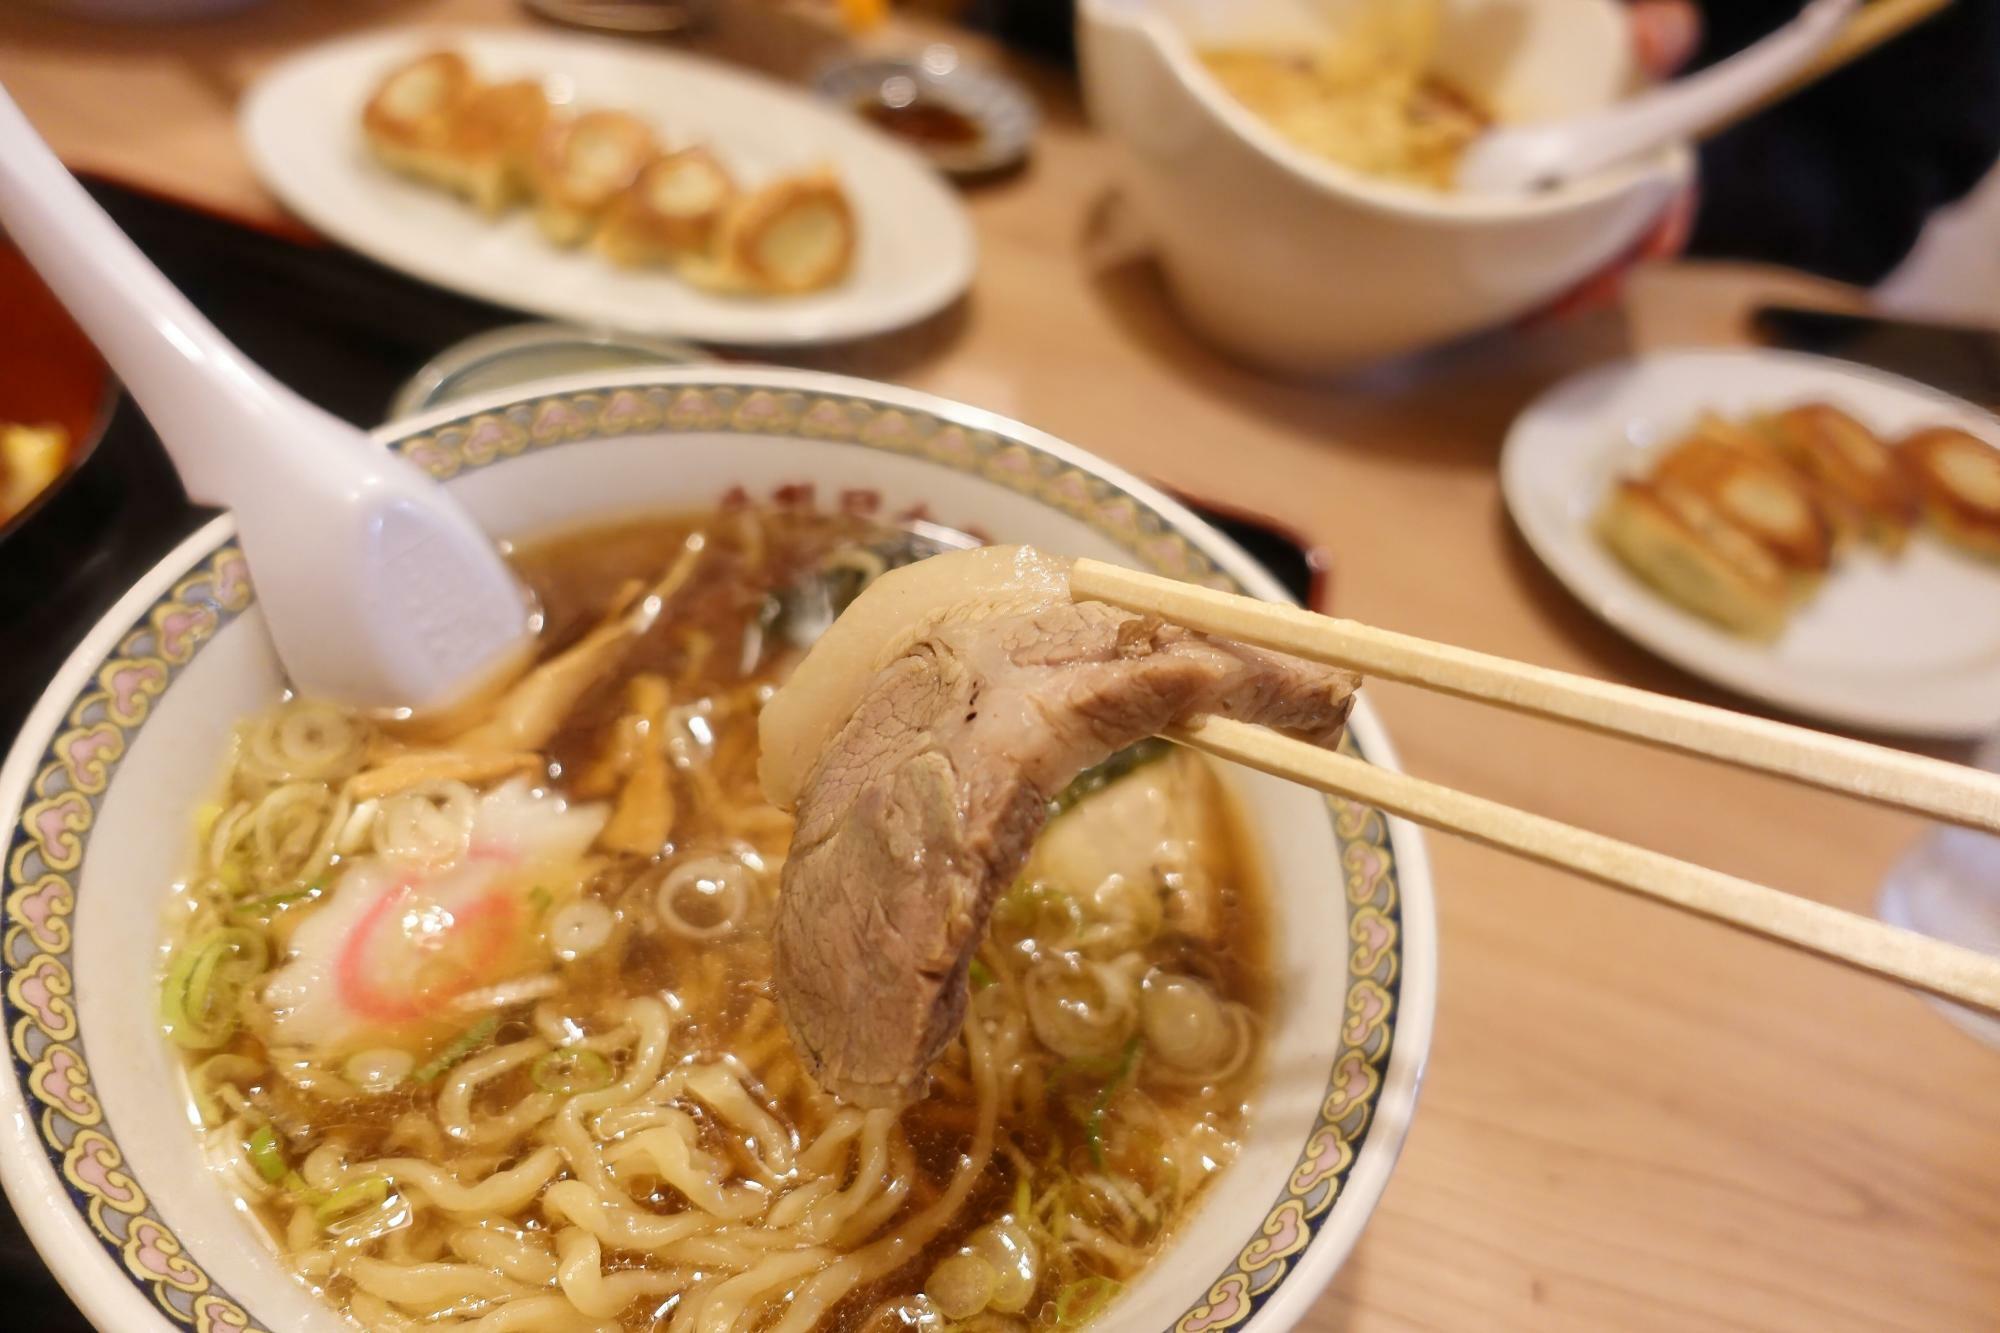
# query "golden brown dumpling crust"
(601, 174)
(1768, 501)
(494, 135)
(794, 235)
(581, 164)
(674, 207)
(413, 106)
(432, 119)
(1678, 543)
(1852, 463)
(1957, 478)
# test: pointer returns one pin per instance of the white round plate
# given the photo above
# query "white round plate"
(1910, 645)
(302, 126)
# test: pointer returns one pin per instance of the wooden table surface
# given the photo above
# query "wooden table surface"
(1630, 1120)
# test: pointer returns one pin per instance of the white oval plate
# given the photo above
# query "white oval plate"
(302, 126)
(1910, 645)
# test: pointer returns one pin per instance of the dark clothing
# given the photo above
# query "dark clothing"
(1046, 27)
(1841, 179)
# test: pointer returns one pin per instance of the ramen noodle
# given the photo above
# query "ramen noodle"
(480, 1025)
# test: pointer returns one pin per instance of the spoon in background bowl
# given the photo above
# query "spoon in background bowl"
(380, 591)
(1527, 158)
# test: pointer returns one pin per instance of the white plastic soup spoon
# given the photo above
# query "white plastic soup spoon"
(1533, 157)
(379, 590)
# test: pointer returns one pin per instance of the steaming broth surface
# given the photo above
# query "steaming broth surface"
(497, 1049)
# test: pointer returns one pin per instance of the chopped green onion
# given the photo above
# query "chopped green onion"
(1093, 1125)
(1094, 780)
(205, 985)
(464, 1044)
(258, 907)
(266, 1155)
(352, 1198)
(982, 975)
(296, 1186)
(571, 1070)
(540, 899)
(1081, 1301)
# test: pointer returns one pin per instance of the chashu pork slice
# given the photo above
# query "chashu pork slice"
(923, 799)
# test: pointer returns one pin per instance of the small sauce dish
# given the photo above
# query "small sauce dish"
(966, 120)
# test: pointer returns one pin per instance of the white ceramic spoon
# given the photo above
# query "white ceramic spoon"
(1533, 157)
(379, 590)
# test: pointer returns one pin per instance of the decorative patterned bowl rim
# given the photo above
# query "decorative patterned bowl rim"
(142, 1278)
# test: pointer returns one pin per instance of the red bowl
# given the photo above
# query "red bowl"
(49, 372)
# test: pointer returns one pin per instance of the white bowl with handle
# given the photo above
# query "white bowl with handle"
(100, 791)
(1305, 266)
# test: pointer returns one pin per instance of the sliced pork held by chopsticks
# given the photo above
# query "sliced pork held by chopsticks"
(922, 741)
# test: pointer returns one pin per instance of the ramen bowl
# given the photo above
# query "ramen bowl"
(1305, 266)
(98, 1153)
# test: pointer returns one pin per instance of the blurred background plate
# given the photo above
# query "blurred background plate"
(301, 124)
(1909, 646)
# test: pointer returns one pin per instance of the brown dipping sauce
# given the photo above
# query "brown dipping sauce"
(924, 122)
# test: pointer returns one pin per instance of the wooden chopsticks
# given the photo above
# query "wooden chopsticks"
(1946, 970)
(1948, 791)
